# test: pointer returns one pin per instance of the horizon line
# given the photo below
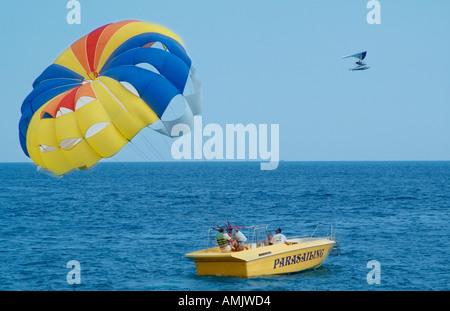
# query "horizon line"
(236, 161)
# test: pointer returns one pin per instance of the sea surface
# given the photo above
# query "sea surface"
(129, 225)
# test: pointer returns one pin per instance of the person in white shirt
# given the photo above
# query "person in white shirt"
(278, 238)
(239, 237)
(240, 241)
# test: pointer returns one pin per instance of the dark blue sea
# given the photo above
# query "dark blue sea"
(130, 224)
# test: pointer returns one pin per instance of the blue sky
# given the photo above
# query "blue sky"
(267, 61)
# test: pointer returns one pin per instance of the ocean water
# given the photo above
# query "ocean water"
(130, 224)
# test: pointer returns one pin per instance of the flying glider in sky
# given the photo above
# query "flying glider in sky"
(360, 65)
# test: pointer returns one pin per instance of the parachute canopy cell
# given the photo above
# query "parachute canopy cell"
(97, 96)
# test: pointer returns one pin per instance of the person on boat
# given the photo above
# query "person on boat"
(224, 241)
(239, 240)
(267, 241)
(269, 238)
(279, 238)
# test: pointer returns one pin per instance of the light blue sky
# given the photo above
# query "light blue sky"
(267, 61)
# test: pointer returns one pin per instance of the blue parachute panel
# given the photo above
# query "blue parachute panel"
(169, 66)
(154, 89)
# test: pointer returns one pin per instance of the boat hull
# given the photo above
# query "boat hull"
(267, 260)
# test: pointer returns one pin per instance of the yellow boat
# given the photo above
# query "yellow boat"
(297, 254)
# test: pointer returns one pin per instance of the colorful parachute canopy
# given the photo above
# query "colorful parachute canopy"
(100, 92)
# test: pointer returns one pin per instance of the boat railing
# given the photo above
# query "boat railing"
(331, 235)
(258, 236)
(326, 231)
